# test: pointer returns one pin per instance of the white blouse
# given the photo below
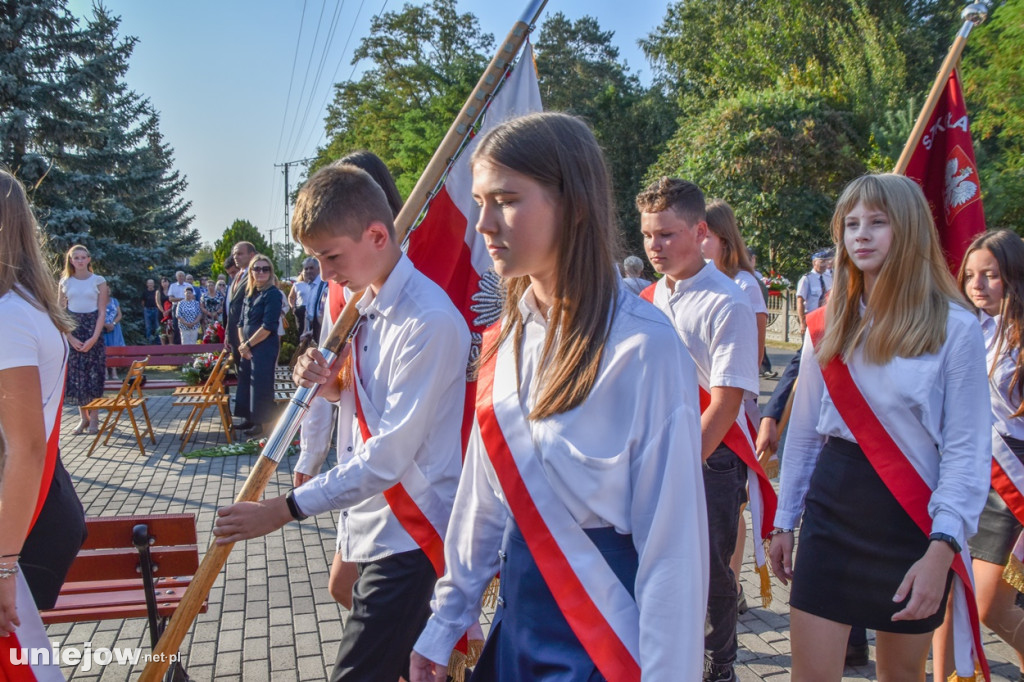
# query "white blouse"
(946, 392)
(628, 458)
(1002, 368)
(748, 283)
(83, 294)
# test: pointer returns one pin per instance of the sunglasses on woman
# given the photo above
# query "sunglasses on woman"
(262, 268)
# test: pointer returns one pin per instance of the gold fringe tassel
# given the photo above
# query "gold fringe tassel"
(766, 585)
(490, 598)
(459, 663)
(956, 678)
(1013, 574)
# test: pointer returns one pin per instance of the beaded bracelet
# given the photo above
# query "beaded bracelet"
(779, 531)
(8, 572)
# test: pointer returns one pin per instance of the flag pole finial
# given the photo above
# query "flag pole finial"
(976, 13)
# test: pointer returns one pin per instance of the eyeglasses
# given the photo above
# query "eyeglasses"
(262, 268)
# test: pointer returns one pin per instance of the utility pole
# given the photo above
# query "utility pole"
(287, 217)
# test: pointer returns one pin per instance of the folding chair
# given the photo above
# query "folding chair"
(205, 387)
(127, 399)
(213, 395)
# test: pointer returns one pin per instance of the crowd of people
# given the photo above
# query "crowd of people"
(615, 437)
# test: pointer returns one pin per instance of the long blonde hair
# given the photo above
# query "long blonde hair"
(22, 265)
(722, 223)
(560, 153)
(909, 303)
(250, 283)
(69, 268)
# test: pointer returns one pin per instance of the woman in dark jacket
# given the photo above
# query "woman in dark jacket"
(259, 344)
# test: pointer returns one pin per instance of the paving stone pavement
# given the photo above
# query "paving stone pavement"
(270, 616)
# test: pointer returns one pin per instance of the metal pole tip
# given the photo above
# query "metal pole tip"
(976, 13)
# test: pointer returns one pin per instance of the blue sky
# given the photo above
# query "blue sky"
(219, 73)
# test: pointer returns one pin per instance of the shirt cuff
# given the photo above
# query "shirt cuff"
(437, 641)
(783, 518)
(950, 524)
(312, 498)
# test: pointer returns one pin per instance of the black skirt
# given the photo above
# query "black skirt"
(856, 546)
(998, 528)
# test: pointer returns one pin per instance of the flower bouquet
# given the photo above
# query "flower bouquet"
(776, 284)
(199, 370)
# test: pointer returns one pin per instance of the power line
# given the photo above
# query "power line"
(309, 64)
(291, 80)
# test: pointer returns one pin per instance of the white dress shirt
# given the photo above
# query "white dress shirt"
(412, 348)
(717, 326)
(811, 287)
(947, 392)
(745, 281)
(628, 458)
(1001, 373)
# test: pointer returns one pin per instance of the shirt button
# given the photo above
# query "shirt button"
(345, 513)
(366, 348)
(349, 448)
(372, 316)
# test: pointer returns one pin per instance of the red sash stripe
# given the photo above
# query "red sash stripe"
(600, 641)
(10, 672)
(1007, 490)
(405, 509)
(892, 466)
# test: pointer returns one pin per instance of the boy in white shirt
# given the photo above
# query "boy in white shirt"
(400, 453)
(718, 328)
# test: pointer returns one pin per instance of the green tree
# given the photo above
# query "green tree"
(580, 73)
(88, 148)
(423, 63)
(240, 231)
(993, 81)
(750, 148)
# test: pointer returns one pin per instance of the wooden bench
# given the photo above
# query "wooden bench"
(171, 355)
(131, 567)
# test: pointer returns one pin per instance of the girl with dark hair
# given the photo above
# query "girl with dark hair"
(992, 278)
(594, 519)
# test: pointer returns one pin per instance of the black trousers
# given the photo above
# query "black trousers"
(390, 606)
(54, 541)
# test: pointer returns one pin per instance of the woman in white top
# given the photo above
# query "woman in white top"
(41, 521)
(592, 516)
(887, 456)
(85, 294)
(992, 278)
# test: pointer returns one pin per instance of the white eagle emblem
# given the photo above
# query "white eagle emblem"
(487, 304)
(958, 189)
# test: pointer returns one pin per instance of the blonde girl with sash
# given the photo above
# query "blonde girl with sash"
(887, 455)
(582, 483)
(992, 279)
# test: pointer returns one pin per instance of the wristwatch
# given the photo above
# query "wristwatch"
(948, 539)
(293, 508)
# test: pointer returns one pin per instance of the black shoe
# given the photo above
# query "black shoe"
(718, 672)
(856, 655)
(769, 374)
(741, 603)
(254, 430)
(244, 425)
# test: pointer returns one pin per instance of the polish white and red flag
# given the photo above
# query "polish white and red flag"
(943, 164)
(445, 246)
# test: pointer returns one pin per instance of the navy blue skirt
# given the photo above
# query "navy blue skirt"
(530, 638)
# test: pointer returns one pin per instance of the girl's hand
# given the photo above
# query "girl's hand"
(8, 605)
(88, 344)
(925, 582)
(422, 669)
(780, 553)
(75, 344)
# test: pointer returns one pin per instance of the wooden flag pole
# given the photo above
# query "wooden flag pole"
(217, 555)
(973, 15)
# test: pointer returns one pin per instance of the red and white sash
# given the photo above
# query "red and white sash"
(763, 500)
(899, 470)
(14, 666)
(400, 498)
(598, 608)
(1008, 481)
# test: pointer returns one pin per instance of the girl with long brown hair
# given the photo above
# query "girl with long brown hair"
(886, 465)
(594, 517)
